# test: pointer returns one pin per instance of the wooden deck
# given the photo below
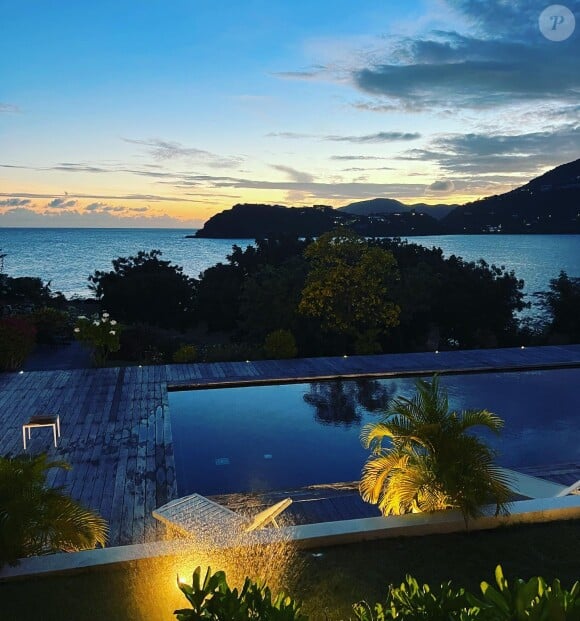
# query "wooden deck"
(115, 425)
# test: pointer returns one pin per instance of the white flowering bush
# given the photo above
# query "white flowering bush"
(101, 333)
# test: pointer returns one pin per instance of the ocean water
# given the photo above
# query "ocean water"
(66, 257)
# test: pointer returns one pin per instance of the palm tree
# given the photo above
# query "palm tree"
(36, 519)
(433, 462)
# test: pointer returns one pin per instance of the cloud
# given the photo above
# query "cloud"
(169, 150)
(289, 135)
(307, 75)
(375, 138)
(22, 216)
(61, 203)
(444, 185)
(124, 197)
(478, 154)
(357, 157)
(310, 189)
(15, 202)
(295, 175)
(378, 137)
(7, 108)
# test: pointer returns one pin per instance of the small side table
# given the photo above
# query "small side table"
(41, 420)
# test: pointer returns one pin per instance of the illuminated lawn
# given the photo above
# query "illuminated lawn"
(327, 584)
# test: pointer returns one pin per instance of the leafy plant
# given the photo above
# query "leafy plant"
(280, 344)
(186, 353)
(349, 283)
(36, 519)
(534, 600)
(146, 289)
(100, 334)
(432, 461)
(17, 337)
(412, 602)
(212, 599)
(51, 324)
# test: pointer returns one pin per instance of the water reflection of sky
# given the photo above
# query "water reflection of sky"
(275, 437)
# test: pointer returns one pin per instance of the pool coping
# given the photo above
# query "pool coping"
(309, 536)
(204, 384)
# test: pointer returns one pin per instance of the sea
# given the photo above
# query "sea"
(66, 257)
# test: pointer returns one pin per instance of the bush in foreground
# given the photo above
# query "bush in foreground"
(36, 519)
(214, 600)
(17, 338)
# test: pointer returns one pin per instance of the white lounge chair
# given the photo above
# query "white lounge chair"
(535, 487)
(198, 516)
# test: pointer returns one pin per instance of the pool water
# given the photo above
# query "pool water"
(287, 436)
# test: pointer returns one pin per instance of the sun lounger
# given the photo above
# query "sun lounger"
(535, 487)
(196, 515)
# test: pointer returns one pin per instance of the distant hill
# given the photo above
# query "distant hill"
(547, 204)
(253, 221)
(392, 205)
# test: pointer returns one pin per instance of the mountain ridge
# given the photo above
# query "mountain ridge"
(549, 203)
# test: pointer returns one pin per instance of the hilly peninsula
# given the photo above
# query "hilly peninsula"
(547, 204)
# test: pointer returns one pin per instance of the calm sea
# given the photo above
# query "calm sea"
(66, 257)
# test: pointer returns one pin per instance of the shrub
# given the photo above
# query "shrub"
(230, 352)
(280, 344)
(100, 334)
(52, 325)
(534, 599)
(186, 353)
(146, 345)
(37, 519)
(412, 601)
(214, 600)
(146, 289)
(17, 337)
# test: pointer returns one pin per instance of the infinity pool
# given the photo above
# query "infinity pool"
(287, 436)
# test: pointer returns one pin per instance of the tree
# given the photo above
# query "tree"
(562, 304)
(432, 462)
(348, 287)
(36, 519)
(146, 289)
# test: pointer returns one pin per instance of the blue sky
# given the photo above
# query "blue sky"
(147, 113)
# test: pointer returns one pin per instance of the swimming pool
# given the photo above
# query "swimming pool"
(287, 436)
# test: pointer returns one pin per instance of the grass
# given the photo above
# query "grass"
(327, 584)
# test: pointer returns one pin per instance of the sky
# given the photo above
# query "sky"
(152, 113)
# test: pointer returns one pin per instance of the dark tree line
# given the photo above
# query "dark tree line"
(339, 294)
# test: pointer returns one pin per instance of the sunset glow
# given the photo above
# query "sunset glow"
(162, 114)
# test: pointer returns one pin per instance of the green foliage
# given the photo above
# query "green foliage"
(229, 352)
(103, 335)
(146, 289)
(562, 305)
(26, 291)
(348, 285)
(413, 602)
(432, 462)
(280, 344)
(36, 519)
(52, 325)
(17, 337)
(186, 353)
(467, 304)
(212, 599)
(534, 600)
